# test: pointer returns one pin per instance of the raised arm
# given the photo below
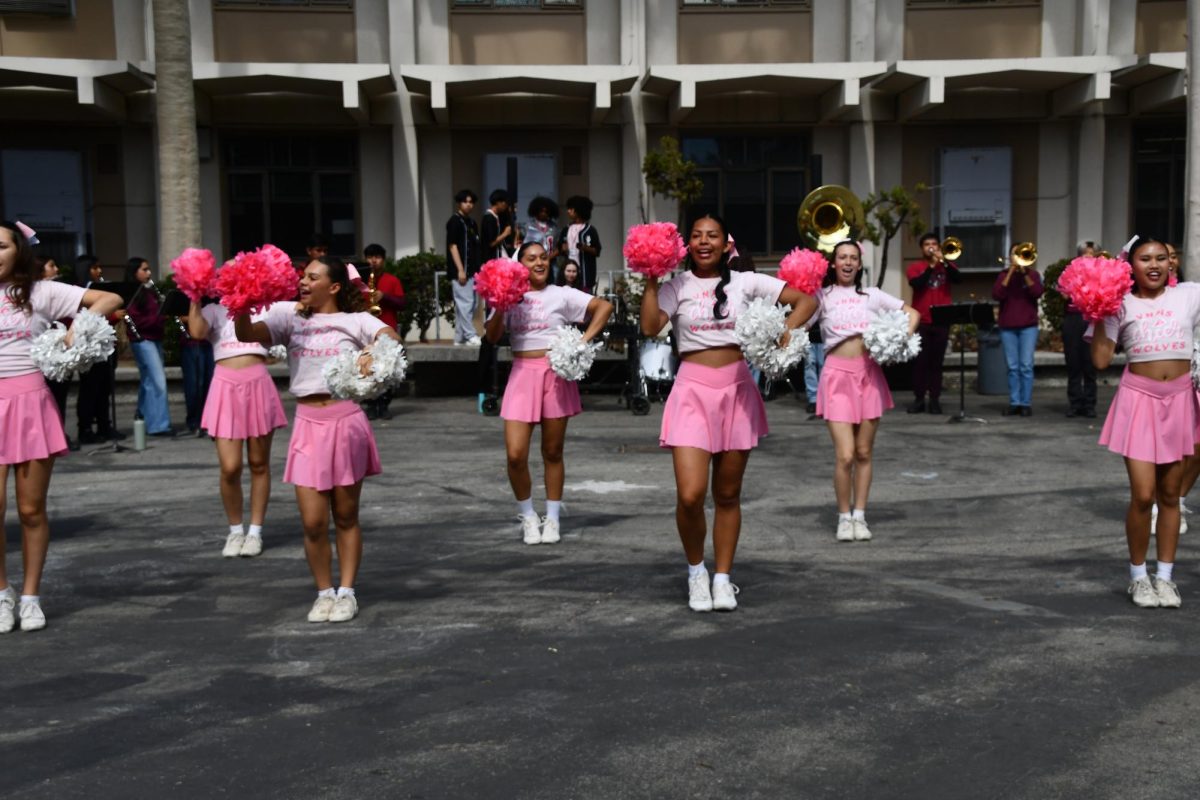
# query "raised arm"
(654, 319)
(1103, 346)
(102, 303)
(493, 327)
(248, 331)
(598, 310)
(803, 306)
(197, 325)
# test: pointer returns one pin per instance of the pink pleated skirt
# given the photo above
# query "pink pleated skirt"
(30, 428)
(242, 403)
(331, 446)
(852, 390)
(534, 392)
(1151, 420)
(713, 408)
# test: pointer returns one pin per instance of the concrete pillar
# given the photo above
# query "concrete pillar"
(141, 200)
(1093, 27)
(433, 24)
(371, 32)
(212, 203)
(1089, 176)
(1118, 144)
(375, 188)
(129, 22)
(435, 192)
(1054, 189)
(633, 150)
(861, 179)
(862, 30)
(406, 208)
(1059, 36)
(662, 31)
(889, 30)
(605, 189)
(1122, 27)
(603, 31)
(201, 15)
(830, 21)
(1191, 205)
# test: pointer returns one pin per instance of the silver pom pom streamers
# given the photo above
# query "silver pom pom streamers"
(570, 356)
(887, 338)
(1196, 364)
(277, 352)
(759, 328)
(343, 373)
(93, 341)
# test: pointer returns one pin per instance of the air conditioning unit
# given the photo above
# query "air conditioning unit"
(975, 203)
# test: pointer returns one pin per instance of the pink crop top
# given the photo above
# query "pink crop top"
(224, 341)
(312, 342)
(50, 301)
(1158, 329)
(532, 323)
(689, 302)
(845, 313)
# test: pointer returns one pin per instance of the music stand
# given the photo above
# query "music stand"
(126, 291)
(963, 314)
(175, 304)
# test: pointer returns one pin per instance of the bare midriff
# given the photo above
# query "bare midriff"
(316, 400)
(714, 356)
(1166, 370)
(848, 348)
(241, 362)
(530, 353)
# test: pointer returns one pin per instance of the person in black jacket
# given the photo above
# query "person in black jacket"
(463, 258)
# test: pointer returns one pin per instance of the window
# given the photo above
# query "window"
(283, 189)
(1158, 175)
(756, 183)
(969, 3)
(519, 5)
(55, 8)
(290, 5)
(696, 5)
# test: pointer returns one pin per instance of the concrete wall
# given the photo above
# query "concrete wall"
(91, 33)
(486, 37)
(1003, 32)
(744, 36)
(284, 36)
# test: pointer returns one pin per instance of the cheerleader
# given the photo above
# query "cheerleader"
(535, 395)
(242, 410)
(31, 431)
(852, 393)
(1152, 419)
(332, 448)
(714, 415)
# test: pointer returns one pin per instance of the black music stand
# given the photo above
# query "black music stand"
(963, 314)
(126, 291)
(175, 304)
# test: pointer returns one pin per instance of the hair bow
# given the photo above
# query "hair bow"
(29, 233)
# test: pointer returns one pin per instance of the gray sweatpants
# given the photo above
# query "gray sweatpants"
(465, 301)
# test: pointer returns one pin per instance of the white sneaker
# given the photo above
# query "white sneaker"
(474, 341)
(699, 594)
(233, 545)
(531, 529)
(345, 608)
(724, 596)
(32, 618)
(1154, 520)
(1141, 591)
(1182, 524)
(550, 533)
(1168, 593)
(861, 532)
(321, 608)
(8, 603)
(251, 546)
(845, 530)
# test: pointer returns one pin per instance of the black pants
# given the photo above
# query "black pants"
(927, 366)
(1081, 373)
(60, 389)
(95, 389)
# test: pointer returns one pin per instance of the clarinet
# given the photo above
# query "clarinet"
(178, 322)
(129, 320)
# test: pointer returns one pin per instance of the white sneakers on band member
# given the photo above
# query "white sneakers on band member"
(1182, 524)
(251, 546)
(321, 609)
(474, 341)
(861, 532)
(32, 618)
(1168, 593)
(845, 530)
(345, 608)
(699, 595)
(1141, 591)
(8, 604)
(724, 596)
(1183, 528)
(233, 545)
(531, 528)
(550, 534)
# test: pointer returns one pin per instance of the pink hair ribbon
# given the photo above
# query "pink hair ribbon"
(29, 233)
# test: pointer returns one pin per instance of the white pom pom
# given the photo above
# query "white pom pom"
(759, 329)
(887, 338)
(570, 356)
(277, 352)
(344, 378)
(1196, 363)
(94, 341)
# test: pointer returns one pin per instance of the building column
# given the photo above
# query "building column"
(1054, 191)
(830, 19)
(377, 220)
(605, 188)
(860, 173)
(862, 30)
(1118, 174)
(138, 179)
(1089, 176)
(603, 35)
(435, 192)
(433, 22)
(1059, 21)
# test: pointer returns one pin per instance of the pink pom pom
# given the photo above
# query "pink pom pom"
(502, 282)
(1172, 279)
(1097, 286)
(195, 270)
(803, 270)
(256, 280)
(654, 249)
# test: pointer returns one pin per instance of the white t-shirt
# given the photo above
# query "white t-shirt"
(845, 313)
(49, 301)
(532, 322)
(222, 337)
(1158, 329)
(689, 302)
(313, 341)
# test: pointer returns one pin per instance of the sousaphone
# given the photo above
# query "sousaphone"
(830, 214)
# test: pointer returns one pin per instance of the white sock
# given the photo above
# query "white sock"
(843, 515)
(720, 577)
(330, 592)
(345, 591)
(1165, 568)
(859, 514)
(1137, 571)
(525, 507)
(553, 508)
(1182, 506)
(30, 598)
(255, 530)
(236, 529)
(697, 570)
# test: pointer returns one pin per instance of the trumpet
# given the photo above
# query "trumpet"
(375, 309)
(829, 215)
(951, 248)
(1024, 254)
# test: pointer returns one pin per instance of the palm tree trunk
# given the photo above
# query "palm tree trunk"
(175, 112)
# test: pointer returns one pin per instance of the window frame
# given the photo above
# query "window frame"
(322, 6)
(484, 6)
(718, 6)
(64, 9)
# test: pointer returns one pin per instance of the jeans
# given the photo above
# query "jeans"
(1019, 344)
(812, 370)
(1081, 373)
(152, 390)
(197, 364)
(465, 301)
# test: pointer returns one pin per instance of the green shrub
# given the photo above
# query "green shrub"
(1053, 303)
(416, 272)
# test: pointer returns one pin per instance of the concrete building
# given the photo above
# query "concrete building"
(1051, 121)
